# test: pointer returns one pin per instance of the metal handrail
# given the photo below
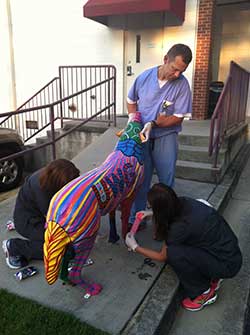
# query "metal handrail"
(55, 102)
(230, 110)
(30, 101)
(54, 140)
(89, 88)
(52, 118)
(42, 89)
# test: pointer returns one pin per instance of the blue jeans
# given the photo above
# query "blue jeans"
(161, 155)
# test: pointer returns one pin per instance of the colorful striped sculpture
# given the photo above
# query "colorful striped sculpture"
(75, 211)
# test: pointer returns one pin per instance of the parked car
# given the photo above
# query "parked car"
(11, 170)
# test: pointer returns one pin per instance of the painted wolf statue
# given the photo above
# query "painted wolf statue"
(74, 214)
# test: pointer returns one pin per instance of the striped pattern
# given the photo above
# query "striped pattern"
(55, 241)
(82, 251)
(77, 208)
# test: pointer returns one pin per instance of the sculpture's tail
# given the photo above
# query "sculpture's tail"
(55, 242)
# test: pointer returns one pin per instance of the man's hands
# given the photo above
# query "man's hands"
(144, 134)
(131, 242)
(130, 117)
(161, 121)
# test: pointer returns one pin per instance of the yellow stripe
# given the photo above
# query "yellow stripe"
(55, 241)
(86, 224)
(84, 199)
(138, 170)
(70, 190)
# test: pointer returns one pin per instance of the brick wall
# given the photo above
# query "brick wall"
(202, 75)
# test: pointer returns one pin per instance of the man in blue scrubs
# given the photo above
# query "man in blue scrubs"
(163, 96)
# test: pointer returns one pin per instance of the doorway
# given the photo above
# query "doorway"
(143, 49)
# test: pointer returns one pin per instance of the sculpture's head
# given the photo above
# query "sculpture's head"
(133, 129)
(55, 243)
(130, 142)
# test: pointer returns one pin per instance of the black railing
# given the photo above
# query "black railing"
(79, 93)
(53, 138)
(32, 123)
(76, 78)
(230, 111)
(47, 115)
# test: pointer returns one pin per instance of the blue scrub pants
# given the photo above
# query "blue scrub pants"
(161, 155)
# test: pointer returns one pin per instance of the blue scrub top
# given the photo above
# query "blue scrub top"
(150, 99)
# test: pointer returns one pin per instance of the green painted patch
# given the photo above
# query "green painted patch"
(132, 132)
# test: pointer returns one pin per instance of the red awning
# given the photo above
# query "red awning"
(102, 10)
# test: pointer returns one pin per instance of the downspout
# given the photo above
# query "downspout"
(195, 42)
(12, 63)
(124, 95)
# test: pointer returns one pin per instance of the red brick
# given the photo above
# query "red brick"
(203, 51)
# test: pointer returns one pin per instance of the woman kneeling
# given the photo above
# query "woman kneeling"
(198, 244)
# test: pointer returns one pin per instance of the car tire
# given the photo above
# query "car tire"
(11, 171)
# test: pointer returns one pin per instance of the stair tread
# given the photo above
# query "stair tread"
(183, 134)
(194, 148)
(196, 164)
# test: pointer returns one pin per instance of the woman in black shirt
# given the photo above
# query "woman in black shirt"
(198, 244)
(30, 211)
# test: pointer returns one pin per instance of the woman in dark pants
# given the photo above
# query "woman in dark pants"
(198, 244)
(31, 208)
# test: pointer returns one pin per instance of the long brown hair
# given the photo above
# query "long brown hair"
(165, 205)
(57, 174)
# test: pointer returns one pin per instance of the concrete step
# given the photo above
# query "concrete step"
(197, 171)
(42, 140)
(193, 140)
(46, 136)
(57, 133)
(198, 154)
(90, 126)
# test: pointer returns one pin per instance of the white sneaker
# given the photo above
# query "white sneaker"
(13, 262)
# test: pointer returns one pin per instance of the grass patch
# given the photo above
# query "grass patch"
(21, 316)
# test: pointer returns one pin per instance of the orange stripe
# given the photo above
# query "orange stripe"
(81, 229)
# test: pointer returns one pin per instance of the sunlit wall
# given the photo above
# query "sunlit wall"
(231, 40)
(50, 33)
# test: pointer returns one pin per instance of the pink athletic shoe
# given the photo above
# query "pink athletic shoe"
(93, 289)
(199, 302)
(216, 284)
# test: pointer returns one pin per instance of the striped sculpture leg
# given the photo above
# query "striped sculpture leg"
(82, 251)
(113, 236)
(125, 213)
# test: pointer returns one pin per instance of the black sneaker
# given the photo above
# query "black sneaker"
(13, 262)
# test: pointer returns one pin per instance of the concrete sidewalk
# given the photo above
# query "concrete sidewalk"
(136, 298)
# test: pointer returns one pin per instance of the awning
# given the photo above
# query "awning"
(124, 11)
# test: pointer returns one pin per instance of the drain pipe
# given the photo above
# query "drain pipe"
(12, 63)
